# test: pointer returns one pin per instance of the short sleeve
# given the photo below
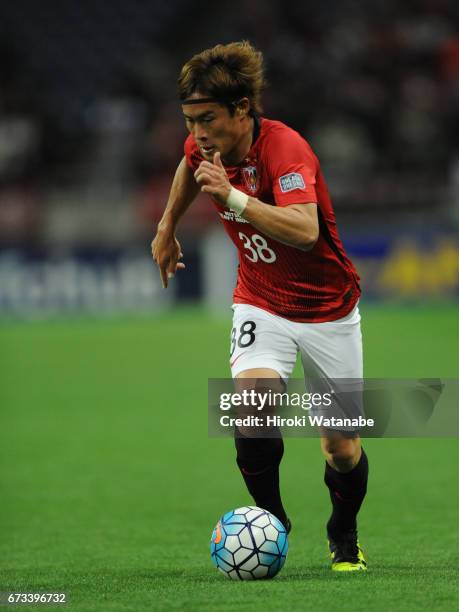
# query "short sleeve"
(191, 153)
(292, 167)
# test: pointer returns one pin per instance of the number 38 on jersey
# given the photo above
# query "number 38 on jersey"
(257, 248)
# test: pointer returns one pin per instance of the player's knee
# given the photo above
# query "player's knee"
(342, 453)
(259, 407)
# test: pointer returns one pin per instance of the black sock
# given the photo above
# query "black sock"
(347, 491)
(258, 460)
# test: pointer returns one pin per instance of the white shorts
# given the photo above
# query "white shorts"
(329, 350)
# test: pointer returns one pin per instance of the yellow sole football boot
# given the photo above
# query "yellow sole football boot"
(346, 554)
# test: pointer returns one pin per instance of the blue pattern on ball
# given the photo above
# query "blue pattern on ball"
(282, 543)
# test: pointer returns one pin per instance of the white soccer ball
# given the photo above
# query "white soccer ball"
(249, 543)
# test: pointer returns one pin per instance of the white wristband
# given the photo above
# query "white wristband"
(237, 201)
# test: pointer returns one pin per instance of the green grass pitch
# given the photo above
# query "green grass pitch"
(110, 486)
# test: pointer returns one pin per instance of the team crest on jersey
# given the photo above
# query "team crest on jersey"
(250, 178)
(291, 181)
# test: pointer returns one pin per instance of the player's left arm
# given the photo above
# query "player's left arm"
(296, 225)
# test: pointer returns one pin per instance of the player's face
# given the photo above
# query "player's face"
(215, 129)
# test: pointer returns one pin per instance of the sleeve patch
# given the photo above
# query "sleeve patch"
(291, 181)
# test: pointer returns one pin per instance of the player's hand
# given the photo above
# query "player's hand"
(212, 179)
(167, 252)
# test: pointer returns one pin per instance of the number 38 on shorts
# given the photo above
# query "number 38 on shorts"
(242, 336)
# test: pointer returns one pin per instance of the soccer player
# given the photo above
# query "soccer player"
(296, 289)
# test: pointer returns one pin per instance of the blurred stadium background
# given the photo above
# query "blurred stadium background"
(91, 132)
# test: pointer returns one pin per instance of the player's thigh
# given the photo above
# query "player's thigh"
(257, 373)
(333, 349)
(260, 341)
(332, 360)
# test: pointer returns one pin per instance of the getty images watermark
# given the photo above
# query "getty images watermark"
(264, 400)
(367, 407)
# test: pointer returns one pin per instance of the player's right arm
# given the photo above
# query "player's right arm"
(165, 247)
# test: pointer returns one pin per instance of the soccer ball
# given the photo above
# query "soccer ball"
(249, 543)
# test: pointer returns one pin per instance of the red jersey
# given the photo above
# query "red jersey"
(314, 286)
